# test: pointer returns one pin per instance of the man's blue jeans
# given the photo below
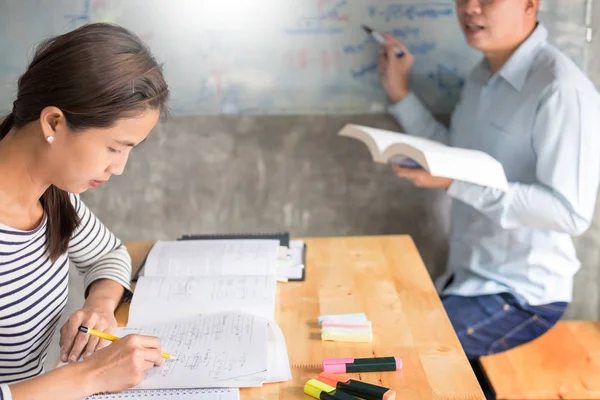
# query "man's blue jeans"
(494, 323)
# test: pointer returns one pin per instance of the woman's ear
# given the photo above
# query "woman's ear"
(53, 123)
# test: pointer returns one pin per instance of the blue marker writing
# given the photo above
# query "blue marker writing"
(381, 40)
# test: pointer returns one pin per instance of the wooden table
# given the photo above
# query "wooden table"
(384, 277)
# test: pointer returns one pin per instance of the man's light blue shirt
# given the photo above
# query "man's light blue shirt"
(540, 117)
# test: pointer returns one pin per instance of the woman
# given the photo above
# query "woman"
(87, 98)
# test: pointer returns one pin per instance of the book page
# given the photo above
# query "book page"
(469, 166)
(216, 350)
(159, 299)
(385, 138)
(212, 258)
(171, 394)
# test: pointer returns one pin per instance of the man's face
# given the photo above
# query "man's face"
(494, 25)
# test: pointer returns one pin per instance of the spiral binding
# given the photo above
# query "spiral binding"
(147, 393)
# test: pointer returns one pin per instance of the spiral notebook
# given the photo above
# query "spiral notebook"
(172, 394)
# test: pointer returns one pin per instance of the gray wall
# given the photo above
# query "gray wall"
(224, 174)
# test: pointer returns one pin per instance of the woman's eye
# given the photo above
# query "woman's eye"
(113, 150)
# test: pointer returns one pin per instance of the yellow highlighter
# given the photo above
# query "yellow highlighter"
(322, 391)
(112, 338)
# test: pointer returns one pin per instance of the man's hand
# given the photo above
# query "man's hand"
(394, 71)
(422, 178)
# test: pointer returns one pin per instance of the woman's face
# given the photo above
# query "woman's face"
(81, 160)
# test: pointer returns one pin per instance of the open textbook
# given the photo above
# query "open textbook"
(467, 165)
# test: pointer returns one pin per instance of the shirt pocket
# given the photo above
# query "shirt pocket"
(510, 142)
(476, 240)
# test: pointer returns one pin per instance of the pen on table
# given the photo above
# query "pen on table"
(319, 390)
(381, 40)
(357, 388)
(112, 338)
(344, 365)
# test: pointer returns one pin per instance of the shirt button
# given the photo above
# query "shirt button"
(470, 331)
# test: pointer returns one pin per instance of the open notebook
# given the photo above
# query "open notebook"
(187, 280)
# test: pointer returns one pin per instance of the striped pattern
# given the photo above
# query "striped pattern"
(33, 290)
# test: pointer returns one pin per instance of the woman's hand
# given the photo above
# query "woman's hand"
(97, 314)
(124, 363)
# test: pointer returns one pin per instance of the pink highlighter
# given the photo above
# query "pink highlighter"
(345, 365)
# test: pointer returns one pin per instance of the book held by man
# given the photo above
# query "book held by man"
(387, 147)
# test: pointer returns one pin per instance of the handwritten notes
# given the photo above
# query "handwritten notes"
(216, 350)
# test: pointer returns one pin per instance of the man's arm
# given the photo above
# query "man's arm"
(567, 145)
(416, 120)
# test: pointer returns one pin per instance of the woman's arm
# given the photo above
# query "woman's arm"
(69, 382)
(117, 367)
(106, 267)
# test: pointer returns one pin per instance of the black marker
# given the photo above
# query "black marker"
(381, 40)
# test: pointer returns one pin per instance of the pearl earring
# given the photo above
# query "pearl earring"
(50, 139)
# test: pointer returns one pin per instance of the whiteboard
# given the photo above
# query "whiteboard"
(277, 56)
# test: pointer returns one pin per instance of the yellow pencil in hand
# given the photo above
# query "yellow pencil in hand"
(112, 338)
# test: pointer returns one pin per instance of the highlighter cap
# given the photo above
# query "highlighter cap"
(335, 368)
(314, 388)
(333, 379)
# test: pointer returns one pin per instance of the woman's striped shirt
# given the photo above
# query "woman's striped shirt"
(33, 290)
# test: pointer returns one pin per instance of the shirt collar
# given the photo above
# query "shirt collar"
(516, 68)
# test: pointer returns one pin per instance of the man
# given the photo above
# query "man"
(511, 259)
